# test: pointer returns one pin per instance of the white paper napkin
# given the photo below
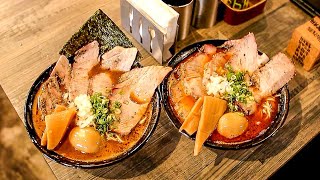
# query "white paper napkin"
(163, 17)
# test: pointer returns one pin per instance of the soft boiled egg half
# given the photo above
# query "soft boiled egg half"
(232, 125)
(86, 140)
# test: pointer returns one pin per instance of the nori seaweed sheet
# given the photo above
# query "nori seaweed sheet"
(101, 28)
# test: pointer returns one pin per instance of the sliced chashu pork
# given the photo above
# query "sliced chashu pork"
(244, 54)
(268, 80)
(101, 83)
(52, 90)
(119, 59)
(85, 59)
(274, 75)
(192, 75)
(216, 66)
(62, 71)
(209, 49)
(134, 92)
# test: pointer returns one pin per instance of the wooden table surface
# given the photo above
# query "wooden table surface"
(33, 31)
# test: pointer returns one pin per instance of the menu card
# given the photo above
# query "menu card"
(304, 45)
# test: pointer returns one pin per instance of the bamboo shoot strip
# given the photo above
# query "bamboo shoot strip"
(44, 138)
(190, 125)
(213, 108)
(56, 125)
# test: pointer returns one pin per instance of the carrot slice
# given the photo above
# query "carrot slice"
(59, 108)
(56, 125)
(186, 104)
(190, 125)
(212, 109)
(44, 138)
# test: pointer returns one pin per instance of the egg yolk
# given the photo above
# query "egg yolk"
(86, 140)
(232, 125)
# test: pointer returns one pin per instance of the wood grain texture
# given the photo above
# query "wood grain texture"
(37, 29)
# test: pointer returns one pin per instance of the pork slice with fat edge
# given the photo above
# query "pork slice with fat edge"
(134, 92)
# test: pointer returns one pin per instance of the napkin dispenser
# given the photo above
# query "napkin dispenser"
(153, 24)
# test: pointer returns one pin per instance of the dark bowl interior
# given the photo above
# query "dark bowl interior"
(275, 125)
(73, 163)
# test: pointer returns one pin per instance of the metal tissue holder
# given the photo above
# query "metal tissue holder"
(143, 30)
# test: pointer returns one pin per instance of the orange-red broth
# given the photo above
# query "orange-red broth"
(108, 149)
(182, 104)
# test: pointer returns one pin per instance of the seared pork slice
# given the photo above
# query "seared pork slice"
(50, 95)
(52, 90)
(62, 71)
(87, 56)
(194, 87)
(209, 49)
(192, 74)
(134, 92)
(85, 59)
(119, 58)
(102, 83)
(274, 75)
(262, 60)
(216, 66)
(244, 54)
(113, 52)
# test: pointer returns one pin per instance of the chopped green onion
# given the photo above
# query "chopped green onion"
(103, 113)
(239, 89)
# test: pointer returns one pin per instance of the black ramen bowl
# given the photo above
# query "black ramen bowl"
(272, 129)
(155, 102)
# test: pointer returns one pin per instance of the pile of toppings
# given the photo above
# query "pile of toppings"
(104, 114)
(85, 114)
(96, 111)
(231, 87)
